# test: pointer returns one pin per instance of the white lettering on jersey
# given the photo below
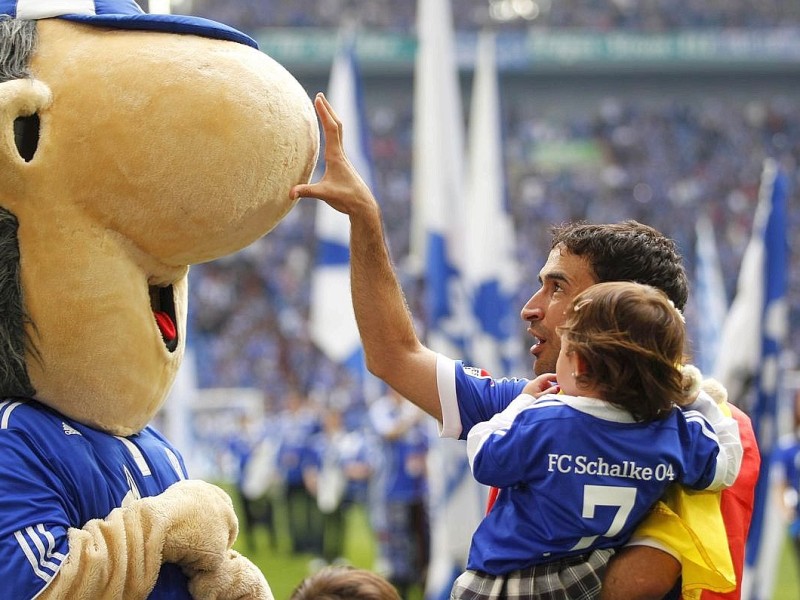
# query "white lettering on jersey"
(628, 469)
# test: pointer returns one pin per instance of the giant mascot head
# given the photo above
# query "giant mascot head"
(131, 146)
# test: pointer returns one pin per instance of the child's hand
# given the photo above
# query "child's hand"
(533, 390)
(543, 384)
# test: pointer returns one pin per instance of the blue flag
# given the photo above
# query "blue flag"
(766, 534)
(749, 363)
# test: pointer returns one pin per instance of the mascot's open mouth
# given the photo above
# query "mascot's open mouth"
(162, 302)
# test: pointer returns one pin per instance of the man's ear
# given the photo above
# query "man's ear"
(21, 101)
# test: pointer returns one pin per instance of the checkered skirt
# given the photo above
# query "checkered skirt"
(572, 578)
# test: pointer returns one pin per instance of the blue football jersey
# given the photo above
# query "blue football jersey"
(469, 395)
(57, 474)
(576, 473)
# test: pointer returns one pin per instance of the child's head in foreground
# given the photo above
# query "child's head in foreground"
(623, 342)
(344, 583)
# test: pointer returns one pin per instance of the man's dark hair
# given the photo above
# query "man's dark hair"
(17, 43)
(627, 251)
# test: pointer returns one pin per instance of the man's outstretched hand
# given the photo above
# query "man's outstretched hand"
(341, 186)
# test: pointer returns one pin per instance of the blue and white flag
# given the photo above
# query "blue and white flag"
(750, 358)
(333, 323)
(457, 502)
(710, 297)
(492, 272)
(438, 224)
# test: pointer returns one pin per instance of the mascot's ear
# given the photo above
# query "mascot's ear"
(21, 101)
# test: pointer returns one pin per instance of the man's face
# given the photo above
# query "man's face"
(563, 277)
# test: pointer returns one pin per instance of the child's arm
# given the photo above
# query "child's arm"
(501, 422)
(729, 459)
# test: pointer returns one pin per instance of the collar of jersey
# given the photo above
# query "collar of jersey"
(596, 408)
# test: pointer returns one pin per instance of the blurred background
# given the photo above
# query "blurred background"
(682, 114)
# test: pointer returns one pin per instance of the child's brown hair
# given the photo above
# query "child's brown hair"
(631, 339)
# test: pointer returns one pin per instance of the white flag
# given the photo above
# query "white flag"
(438, 240)
(333, 324)
(711, 300)
(492, 272)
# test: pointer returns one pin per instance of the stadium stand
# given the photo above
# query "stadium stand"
(655, 141)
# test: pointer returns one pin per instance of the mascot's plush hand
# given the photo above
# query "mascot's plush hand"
(198, 515)
(192, 524)
(236, 578)
(131, 147)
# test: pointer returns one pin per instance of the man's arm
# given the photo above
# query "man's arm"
(640, 573)
(392, 349)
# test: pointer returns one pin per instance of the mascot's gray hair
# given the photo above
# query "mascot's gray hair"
(17, 43)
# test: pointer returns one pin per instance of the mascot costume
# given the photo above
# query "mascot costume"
(131, 146)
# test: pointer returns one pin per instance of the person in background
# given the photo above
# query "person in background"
(262, 483)
(338, 474)
(403, 538)
(786, 465)
(240, 445)
(297, 424)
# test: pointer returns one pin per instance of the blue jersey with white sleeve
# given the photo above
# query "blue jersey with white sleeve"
(576, 473)
(469, 395)
(58, 474)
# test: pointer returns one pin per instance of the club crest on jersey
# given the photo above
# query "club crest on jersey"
(477, 372)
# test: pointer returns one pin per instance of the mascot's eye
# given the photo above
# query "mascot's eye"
(26, 136)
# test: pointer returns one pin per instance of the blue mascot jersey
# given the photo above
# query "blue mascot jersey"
(576, 473)
(56, 474)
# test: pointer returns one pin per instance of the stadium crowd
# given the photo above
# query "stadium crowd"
(650, 16)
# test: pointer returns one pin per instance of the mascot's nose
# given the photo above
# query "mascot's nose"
(193, 169)
(26, 136)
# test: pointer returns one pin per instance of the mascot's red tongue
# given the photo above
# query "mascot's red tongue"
(166, 325)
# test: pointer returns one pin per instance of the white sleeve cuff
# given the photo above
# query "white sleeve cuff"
(451, 426)
(729, 459)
